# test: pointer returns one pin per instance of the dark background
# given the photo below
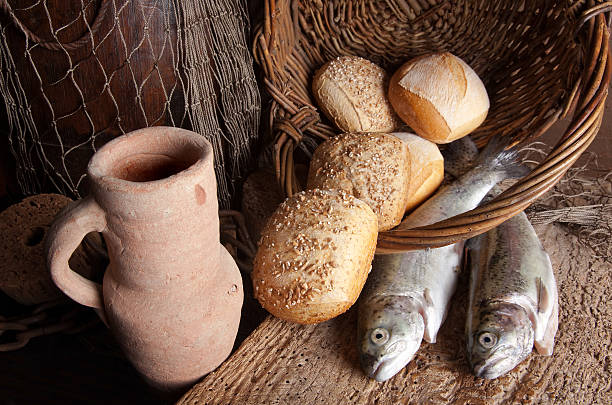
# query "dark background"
(88, 367)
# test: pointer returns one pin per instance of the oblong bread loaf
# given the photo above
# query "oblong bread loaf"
(314, 255)
(261, 195)
(373, 167)
(426, 168)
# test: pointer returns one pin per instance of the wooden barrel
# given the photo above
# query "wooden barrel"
(77, 77)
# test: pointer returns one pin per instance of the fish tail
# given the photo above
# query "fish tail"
(497, 158)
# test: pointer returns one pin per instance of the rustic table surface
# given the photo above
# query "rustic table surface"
(288, 363)
(314, 364)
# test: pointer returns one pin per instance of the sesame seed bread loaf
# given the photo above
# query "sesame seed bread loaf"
(374, 167)
(352, 92)
(439, 96)
(426, 168)
(314, 255)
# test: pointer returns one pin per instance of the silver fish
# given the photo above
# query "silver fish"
(406, 296)
(513, 298)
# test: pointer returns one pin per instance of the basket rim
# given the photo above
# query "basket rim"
(289, 122)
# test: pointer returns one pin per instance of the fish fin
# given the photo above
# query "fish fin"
(430, 332)
(544, 297)
(425, 304)
(427, 297)
(495, 157)
(546, 344)
(431, 317)
(428, 303)
(432, 326)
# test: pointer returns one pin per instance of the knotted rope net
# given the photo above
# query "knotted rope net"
(75, 74)
(582, 201)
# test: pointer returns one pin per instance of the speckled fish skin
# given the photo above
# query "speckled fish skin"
(513, 298)
(392, 323)
(407, 294)
(459, 156)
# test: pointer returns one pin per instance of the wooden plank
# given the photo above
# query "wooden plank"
(287, 363)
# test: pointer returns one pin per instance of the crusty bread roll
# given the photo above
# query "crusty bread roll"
(426, 168)
(314, 255)
(439, 96)
(373, 167)
(352, 92)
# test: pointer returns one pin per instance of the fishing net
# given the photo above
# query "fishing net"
(75, 74)
(582, 200)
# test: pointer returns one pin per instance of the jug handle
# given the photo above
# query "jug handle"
(66, 233)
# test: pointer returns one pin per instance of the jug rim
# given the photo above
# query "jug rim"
(179, 145)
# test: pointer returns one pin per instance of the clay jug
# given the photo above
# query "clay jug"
(171, 294)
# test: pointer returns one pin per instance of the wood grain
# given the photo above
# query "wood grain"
(288, 363)
(89, 96)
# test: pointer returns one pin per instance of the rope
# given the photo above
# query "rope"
(57, 45)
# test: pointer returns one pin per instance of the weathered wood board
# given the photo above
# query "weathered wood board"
(284, 363)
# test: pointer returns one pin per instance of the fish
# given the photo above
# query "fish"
(406, 296)
(459, 156)
(513, 298)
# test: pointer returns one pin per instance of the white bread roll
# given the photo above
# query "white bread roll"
(314, 256)
(426, 168)
(373, 167)
(439, 96)
(352, 92)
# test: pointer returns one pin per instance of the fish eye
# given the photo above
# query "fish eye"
(487, 339)
(379, 336)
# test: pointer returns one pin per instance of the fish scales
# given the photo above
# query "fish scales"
(406, 296)
(511, 278)
(408, 274)
(453, 199)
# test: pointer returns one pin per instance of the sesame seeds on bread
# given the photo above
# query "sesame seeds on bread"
(314, 256)
(352, 92)
(373, 167)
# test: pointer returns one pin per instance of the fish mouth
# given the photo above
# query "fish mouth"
(380, 370)
(489, 368)
(377, 369)
(383, 368)
(370, 364)
(378, 374)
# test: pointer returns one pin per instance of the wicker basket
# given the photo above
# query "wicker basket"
(540, 60)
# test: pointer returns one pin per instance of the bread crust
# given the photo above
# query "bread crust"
(352, 92)
(314, 256)
(439, 96)
(373, 167)
(426, 168)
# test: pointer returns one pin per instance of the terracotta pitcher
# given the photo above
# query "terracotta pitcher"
(171, 294)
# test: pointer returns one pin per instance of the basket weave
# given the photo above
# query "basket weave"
(540, 60)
